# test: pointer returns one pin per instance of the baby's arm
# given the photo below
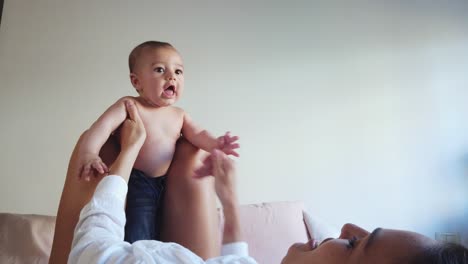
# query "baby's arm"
(204, 140)
(96, 136)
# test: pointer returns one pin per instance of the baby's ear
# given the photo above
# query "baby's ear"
(135, 81)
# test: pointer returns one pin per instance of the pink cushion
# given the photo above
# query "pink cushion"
(271, 228)
(25, 238)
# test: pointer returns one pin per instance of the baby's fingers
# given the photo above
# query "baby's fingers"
(231, 152)
(87, 172)
(221, 141)
(104, 166)
(234, 146)
(81, 173)
(232, 139)
(98, 167)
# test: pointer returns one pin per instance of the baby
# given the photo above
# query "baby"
(157, 73)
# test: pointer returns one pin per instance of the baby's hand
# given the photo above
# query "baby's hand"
(226, 144)
(91, 165)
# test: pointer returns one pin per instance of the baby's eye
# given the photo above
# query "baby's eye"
(351, 242)
(179, 72)
(159, 69)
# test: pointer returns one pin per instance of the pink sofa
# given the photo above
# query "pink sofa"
(269, 228)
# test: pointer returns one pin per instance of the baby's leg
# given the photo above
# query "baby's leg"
(142, 210)
(75, 195)
(189, 210)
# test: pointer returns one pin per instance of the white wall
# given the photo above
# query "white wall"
(358, 109)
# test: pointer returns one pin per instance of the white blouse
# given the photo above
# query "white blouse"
(99, 235)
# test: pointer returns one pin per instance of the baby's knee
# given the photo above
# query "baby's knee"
(184, 147)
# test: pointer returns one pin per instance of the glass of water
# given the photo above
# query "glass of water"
(448, 237)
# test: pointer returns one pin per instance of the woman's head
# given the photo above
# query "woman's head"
(384, 246)
(442, 253)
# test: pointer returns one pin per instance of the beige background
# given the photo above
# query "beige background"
(360, 110)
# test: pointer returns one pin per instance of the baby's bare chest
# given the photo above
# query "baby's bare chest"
(162, 125)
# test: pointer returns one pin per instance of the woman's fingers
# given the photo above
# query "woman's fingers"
(132, 111)
(217, 163)
(205, 170)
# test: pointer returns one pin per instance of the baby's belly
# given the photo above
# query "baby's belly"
(155, 157)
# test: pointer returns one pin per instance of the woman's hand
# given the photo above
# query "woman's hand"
(132, 137)
(132, 132)
(223, 169)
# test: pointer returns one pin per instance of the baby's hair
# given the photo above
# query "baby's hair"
(138, 51)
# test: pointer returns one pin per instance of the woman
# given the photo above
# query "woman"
(383, 246)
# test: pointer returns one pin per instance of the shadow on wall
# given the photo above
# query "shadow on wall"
(1, 11)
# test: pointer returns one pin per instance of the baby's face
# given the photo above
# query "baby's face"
(159, 76)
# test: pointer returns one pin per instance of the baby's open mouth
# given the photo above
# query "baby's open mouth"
(169, 91)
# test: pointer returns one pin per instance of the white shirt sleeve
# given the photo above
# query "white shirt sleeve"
(99, 234)
(236, 248)
(236, 252)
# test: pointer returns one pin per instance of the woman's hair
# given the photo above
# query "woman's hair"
(442, 253)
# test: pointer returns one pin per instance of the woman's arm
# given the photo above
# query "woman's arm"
(225, 186)
(133, 135)
(222, 168)
(101, 224)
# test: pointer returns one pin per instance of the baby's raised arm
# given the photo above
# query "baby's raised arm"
(204, 140)
(96, 136)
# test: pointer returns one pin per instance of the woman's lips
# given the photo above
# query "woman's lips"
(325, 240)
